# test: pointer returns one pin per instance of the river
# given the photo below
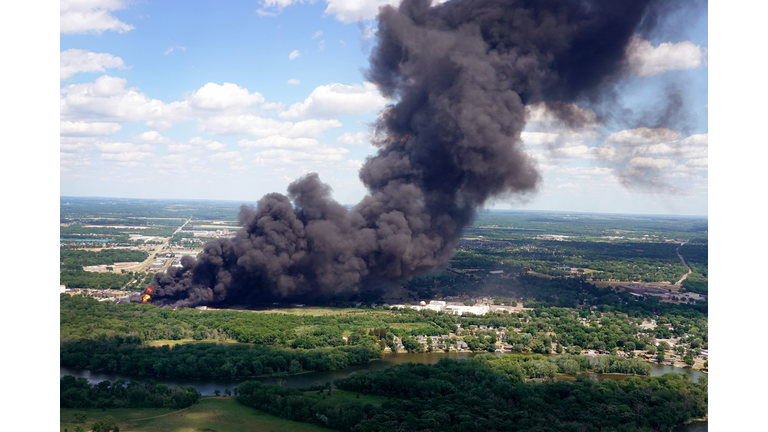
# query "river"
(207, 387)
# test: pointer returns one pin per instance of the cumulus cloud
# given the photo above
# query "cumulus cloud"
(122, 147)
(213, 96)
(335, 100)
(279, 142)
(153, 137)
(357, 138)
(647, 158)
(108, 99)
(230, 156)
(294, 81)
(73, 61)
(646, 60)
(249, 124)
(349, 11)
(293, 54)
(94, 16)
(128, 156)
(78, 129)
(643, 135)
(558, 116)
(647, 162)
(208, 144)
(288, 157)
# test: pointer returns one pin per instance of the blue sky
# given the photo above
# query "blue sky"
(233, 100)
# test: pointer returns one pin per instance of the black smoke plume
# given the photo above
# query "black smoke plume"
(461, 74)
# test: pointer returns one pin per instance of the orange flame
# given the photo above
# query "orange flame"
(146, 295)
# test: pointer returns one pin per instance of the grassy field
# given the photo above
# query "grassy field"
(210, 414)
(171, 343)
(67, 418)
(313, 311)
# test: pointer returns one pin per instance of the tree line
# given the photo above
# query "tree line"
(79, 393)
(486, 394)
(208, 360)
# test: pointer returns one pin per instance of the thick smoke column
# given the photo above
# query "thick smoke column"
(461, 73)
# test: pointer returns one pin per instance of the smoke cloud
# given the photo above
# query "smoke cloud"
(461, 74)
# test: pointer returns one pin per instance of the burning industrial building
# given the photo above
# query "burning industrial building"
(460, 75)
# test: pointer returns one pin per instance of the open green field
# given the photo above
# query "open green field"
(312, 311)
(220, 414)
(171, 343)
(122, 415)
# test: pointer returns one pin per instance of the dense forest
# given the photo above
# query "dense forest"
(208, 360)
(79, 393)
(488, 393)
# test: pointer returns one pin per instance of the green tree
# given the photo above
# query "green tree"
(80, 416)
(106, 424)
(217, 392)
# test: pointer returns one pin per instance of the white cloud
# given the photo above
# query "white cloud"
(349, 11)
(540, 116)
(317, 34)
(170, 50)
(573, 152)
(82, 16)
(294, 81)
(273, 106)
(293, 54)
(208, 144)
(647, 162)
(698, 163)
(538, 138)
(645, 60)
(121, 147)
(279, 142)
(353, 163)
(129, 156)
(643, 135)
(73, 61)
(153, 137)
(335, 100)
(231, 156)
(698, 139)
(181, 148)
(248, 124)
(288, 157)
(358, 138)
(277, 6)
(132, 165)
(221, 97)
(107, 99)
(68, 128)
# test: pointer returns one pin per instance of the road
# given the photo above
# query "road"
(680, 282)
(145, 264)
